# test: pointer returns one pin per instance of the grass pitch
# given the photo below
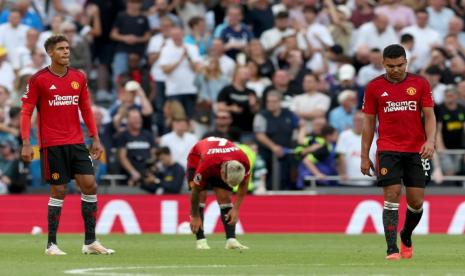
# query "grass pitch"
(269, 255)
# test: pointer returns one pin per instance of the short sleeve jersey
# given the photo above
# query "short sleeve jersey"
(398, 107)
(206, 157)
(58, 99)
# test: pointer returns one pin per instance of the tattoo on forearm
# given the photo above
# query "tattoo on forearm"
(195, 203)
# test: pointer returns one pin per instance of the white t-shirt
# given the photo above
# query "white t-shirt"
(179, 146)
(349, 144)
(367, 73)
(310, 102)
(12, 38)
(322, 32)
(424, 40)
(227, 66)
(7, 75)
(368, 35)
(156, 43)
(181, 80)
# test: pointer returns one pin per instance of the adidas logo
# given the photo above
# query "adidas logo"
(385, 94)
(52, 87)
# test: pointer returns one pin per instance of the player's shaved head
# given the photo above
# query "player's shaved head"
(52, 41)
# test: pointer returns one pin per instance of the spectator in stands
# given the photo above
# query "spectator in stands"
(439, 16)
(317, 35)
(342, 117)
(373, 69)
(7, 74)
(227, 64)
(13, 33)
(256, 54)
(180, 61)
(281, 84)
(453, 46)
(312, 103)
(274, 128)
(408, 42)
(272, 39)
(457, 70)
(135, 147)
(362, 13)
(456, 28)
(321, 161)
(257, 82)
(341, 28)
(11, 181)
(294, 8)
(171, 110)
(28, 15)
(239, 100)
(168, 176)
(179, 140)
(433, 75)
(222, 127)
(137, 71)
(260, 17)
(157, 12)
(450, 133)
(38, 61)
(156, 43)
(348, 149)
(80, 57)
(22, 54)
(461, 92)
(292, 45)
(399, 15)
(375, 34)
(187, 9)
(199, 35)
(346, 81)
(131, 32)
(132, 95)
(4, 107)
(426, 37)
(20, 86)
(235, 35)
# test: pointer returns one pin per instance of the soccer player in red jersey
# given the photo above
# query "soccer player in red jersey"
(218, 163)
(59, 92)
(398, 100)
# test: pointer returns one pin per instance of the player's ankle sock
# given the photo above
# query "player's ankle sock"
(54, 212)
(201, 234)
(412, 218)
(89, 213)
(230, 230)
(390, 222)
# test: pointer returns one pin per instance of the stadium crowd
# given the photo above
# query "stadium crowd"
(283, 79)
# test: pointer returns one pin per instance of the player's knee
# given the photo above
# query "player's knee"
(58, 191)
(392, 196)
(416, 204)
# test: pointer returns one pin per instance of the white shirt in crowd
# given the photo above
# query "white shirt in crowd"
(317, 29)
(12, 38)
(156, 43)
(179, 146)
(349, 145)
(181, 80)
(368, 35)
(7, 75)
(227, 66)
(424, 39)
(367, 73)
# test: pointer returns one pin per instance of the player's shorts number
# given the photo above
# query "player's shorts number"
(221, 141)
(426, 165)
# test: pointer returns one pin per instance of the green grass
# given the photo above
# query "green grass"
(269, 255)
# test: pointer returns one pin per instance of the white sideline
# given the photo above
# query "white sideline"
(106, 271)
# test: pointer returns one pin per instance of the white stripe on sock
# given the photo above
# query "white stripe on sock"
(226, 205)
(391, 206)
(89, 198)
(416, 211)
(202, 205)
(55, 202)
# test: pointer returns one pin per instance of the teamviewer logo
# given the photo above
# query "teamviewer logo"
(64, 100)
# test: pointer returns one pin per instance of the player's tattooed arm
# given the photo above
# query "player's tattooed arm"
(195, 201)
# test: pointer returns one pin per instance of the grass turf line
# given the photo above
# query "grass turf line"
(269, 255)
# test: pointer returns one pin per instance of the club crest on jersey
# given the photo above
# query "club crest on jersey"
(197, 178)
(411, 91)
(75, 85)
(384, 171)
(55, 176)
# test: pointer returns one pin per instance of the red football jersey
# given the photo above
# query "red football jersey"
(398, 107)
(206, 157)
(58, 100)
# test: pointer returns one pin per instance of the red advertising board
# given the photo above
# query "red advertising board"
(135, 214)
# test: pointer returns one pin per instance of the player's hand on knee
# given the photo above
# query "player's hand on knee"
(196, 224)
(231, 216)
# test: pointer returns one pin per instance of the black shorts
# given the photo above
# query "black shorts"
(60, 163)
(392, 167)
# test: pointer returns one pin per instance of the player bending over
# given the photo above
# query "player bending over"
(217, 163)
(59, 92)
